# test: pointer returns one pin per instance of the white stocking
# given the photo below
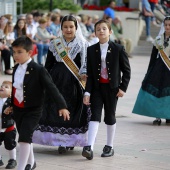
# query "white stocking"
(12, 154)
(24, 152)
(92, 132)
(111, 134)
(31, 156)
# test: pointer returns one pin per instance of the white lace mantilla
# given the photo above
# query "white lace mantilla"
(159, 41)
(76, 46)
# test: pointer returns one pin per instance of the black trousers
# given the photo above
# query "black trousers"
(27, 120)
(6, 54)
(104, 96)
(9, 139)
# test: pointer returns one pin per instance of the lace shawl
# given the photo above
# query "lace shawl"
(76, 46)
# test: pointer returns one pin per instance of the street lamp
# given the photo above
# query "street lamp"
(51, 5)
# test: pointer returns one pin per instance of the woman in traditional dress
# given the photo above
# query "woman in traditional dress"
(52, 129)
(154, 96)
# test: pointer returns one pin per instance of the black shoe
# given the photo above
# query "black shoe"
(157, 122)
(107, 151)
(11, 164)
(87, 152)
(62, 149)
(28, 166)
(1, 163)
(168, 121)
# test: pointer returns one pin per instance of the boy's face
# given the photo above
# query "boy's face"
(21, 55)
(102, 32)
(5, 90)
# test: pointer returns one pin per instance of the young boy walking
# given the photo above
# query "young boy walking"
(108, 75)
(30, 82)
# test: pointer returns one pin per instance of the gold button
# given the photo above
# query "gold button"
(98, 69)
(109, 73)
(24, 86)
(99, 74)
(98, 79)
(99, 64)
(109, 78)
(108, 62)
(24, 101)
(31, 68)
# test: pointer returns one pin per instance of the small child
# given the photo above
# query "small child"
(7, 129)
(108, 75)
(30, 82)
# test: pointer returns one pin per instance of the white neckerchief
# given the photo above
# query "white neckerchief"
(103, 49)
(2, 101)
(19, 79)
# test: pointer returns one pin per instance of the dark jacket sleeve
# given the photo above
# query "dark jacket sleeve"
(50, 61)
(125, 69)
(89, 83)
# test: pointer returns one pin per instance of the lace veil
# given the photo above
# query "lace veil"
(78, 45)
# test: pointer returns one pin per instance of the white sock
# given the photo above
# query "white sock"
(24, 151)
(92, 132)
(111, 134)
(12, 154)
(31, 156)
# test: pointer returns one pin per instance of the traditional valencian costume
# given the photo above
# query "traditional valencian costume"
(65, 62)
(154, 96)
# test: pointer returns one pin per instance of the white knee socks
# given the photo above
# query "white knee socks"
(111, 134)
(31, 156)
(92, 132)
(24, 152)
(12, 154)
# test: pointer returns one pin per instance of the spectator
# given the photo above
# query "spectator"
(55, 25)
(20, 28)
(147, 13)
(109, 12)
(118, 32)
(42, 38)
(36, 18)
(31, 29)
(89, 25)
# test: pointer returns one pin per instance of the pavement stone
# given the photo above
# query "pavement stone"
(138, 144)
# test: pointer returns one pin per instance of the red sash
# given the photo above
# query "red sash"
(102, 80)
(10, 128)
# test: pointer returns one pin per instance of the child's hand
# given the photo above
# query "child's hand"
(86, 100)
(8, 110)
(65, 113)
(120, 93)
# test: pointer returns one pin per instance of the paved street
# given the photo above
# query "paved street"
(138, 144)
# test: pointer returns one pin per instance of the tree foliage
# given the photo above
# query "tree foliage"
(41, 5)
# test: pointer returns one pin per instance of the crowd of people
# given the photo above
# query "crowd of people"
(60, 103)
(42, 28)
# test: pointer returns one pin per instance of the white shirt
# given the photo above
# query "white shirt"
(103, 49)
(104, 74)
(31, 29)
(19, 79)
(2, 101)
